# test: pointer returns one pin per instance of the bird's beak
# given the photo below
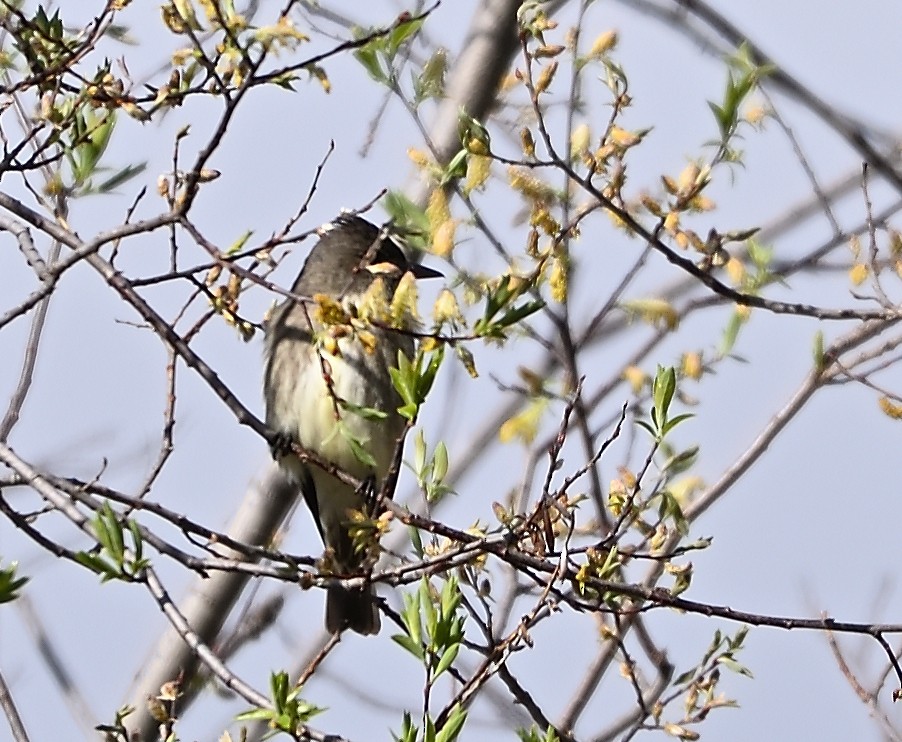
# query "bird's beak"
(422, 271)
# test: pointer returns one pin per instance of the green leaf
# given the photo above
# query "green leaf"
(401, 33)
(532, 735)
(285, 81)
(731, 332)
(466, 358)
(469, 129)
(412, 382)
(680, 462)
(429, 730)
(102, 532)
(819, 355)
(760, 255)
(521, 312)
(739, 638)
(733, 665)
(238, 245)
(427, 609)
(367, 413)
(114, 528)
(453, 725)
(357, 448)
(408, 219)
(419, 455)
(663, 390)
(123, 176)
(716, 641)
(411, 617)
(10, 584)
(289, 709)
(447, 657)
(430, 83)
(440, 462)
(368, 56)
(408, 730)
(97, 564)
(427, 378)
(404, 379)
(95, 133)
(673, 422)
(416, 541)
(414, 647)
(722, 118)
(502, 295)
(137, 540)
(254, 714)
(451, 597)
(670, 509)
(278, 685)
(456, 167)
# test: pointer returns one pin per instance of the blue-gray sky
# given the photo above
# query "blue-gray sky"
(809, 528)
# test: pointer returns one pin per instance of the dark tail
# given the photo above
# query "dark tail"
(352, 609)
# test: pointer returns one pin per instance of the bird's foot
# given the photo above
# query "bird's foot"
(281, 444)
(369, 492)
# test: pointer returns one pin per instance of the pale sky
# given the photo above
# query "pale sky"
(810, 528)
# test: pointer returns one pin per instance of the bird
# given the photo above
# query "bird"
(322, 381)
